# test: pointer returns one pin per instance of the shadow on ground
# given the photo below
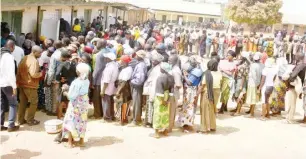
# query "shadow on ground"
(101, 141)
(225, 130)
(21, 154)
(4, 138)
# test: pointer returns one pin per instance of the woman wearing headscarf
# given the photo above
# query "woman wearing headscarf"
(192, 77)
(266, 86)
(277, 98)
(164, 89)
(228, 70)
(123, 94)
(253, 83)
(241, 81)
(209, 91)
(150, 84)
(75, 121)
(178, 88)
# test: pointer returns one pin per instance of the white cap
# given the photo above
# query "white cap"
(110, 55)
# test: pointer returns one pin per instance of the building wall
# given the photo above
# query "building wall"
(186, 16)
(289, 27)
(29, 17)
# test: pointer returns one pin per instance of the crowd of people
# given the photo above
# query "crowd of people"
(160, 71)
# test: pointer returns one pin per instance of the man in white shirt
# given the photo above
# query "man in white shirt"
(108, 89)
(8, 85)
(18, 54)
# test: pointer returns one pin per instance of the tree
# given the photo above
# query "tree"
(254, 12)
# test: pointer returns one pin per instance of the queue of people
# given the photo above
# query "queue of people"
(152, 76)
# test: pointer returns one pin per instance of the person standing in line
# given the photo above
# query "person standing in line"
(208, 45)
(178, 89)
(241, 81)
(52, 87)
(228, 70)
(65, 74)
(181, 42)
(209, 91)
(253, 83)
(28, 76)
(149, 86)
(8, 86)
(44, 61)
(123, 94)
(203, 43)
(266, 86)
(108, 89)
(75, 120)
(164, 89)
(137, 81)
(192, 77)
(97, 75)
(298, 71)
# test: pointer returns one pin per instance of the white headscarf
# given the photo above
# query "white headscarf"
(83, 69)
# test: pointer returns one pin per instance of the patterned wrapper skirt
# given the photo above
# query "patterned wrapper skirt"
(225, 90)
(161, 114)
(187, 114)
(75, 120)
(277, 98)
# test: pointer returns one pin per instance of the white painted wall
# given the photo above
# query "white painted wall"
(28, 19)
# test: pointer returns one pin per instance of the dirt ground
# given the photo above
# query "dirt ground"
(236, 137)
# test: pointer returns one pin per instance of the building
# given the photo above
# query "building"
(175, 11)
(293, 19)
(24, 16)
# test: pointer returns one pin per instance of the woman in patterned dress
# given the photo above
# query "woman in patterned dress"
(277, 98)
(164, 88)
(75, 121)
(192, 78)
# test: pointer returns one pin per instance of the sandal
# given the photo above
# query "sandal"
(33, 122)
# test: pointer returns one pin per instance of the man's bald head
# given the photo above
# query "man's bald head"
(10, 44)
(36, 50)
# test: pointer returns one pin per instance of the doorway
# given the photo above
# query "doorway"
(14, 20)
(87, 16)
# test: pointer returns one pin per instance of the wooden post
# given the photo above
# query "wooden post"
(37, 23)
(106, 17)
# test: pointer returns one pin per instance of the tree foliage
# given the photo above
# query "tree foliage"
(254, 12)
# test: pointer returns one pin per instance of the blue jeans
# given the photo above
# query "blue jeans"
(12, 102)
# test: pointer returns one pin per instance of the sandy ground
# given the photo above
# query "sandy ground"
(236, 137)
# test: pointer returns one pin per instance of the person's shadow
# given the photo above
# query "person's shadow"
(4, 138)
(21, 153)
(101, 141)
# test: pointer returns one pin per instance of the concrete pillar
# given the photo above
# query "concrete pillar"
(171, 18)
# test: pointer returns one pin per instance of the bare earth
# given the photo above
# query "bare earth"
(236, 137)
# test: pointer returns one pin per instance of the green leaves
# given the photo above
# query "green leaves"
(254, 11)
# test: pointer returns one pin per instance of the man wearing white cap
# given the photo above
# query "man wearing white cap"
(137, 81)
(253, 83)
(108, 89)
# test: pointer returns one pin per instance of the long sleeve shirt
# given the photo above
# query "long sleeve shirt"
(54, 61)
(99, 67)
(7, 70)
(28, 74)
(139, 74)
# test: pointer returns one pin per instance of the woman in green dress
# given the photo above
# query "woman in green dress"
(164, 89)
